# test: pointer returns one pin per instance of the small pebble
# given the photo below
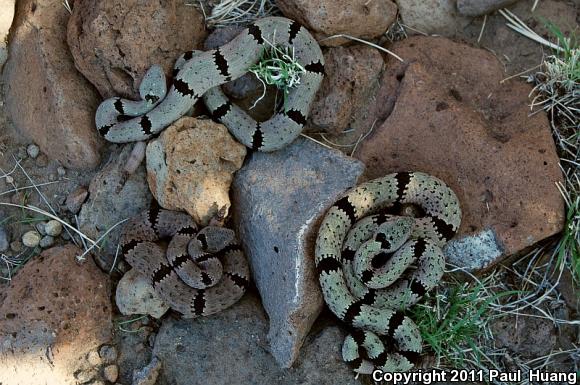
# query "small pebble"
(108, 353)
(9, 179)
(65, 236)
(31, 239)
(61, 171)
(22, 153)
(42, 160)
(46, 241)
(52, 177)
(40, 228)
(16, 246)
(76, 198)
(93, 358)
(111, 373)
(32, 150)
(85, 375)
(53, 228)
(4, 239)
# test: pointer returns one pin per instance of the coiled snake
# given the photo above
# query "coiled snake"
(201, 272)
(372, 265)
(200, 73)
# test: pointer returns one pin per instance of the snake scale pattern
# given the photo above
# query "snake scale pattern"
(201, 272)
(200, 73)
(372, 265)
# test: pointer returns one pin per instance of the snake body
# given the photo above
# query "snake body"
(201, 272)
(200, 73)
(372, 265)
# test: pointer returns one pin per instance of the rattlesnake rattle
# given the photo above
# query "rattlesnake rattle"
(197, 72)
(202, 271)
(363, 257)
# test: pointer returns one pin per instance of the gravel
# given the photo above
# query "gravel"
(31, 239)
(32, 150)
(53, 228)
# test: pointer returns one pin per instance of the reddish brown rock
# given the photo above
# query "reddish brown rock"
(55, 312)
(191, 166)
(351, 78)
(359, 18)
(115, 42)
(46, 98)
(453, 118)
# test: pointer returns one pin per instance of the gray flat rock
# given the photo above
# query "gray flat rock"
(278, 201)
(229, 347)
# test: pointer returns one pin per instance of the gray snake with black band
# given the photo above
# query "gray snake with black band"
(373, 265)
(201, 272)
(200, 73)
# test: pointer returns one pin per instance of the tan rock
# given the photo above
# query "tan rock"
(191, 165)
(111, 372)
(134, 295)
(453, 118)
(115, 42)
(359, 18)
(6, 15)
(55, 312)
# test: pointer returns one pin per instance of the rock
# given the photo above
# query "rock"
(22, 153)
(114, 196)
(108, 353)
(351, 78)
(76, 198)
(53, 228)
(16, 246)
(85, 375)
(278, 200)
(136, 157)
(40, 228)
(46, 241)
(111, 372)
(4, 239)
(359, 18)
(134, 351)
(61, 171)
(148, 375)
(454, 119)
(46, 98)
(93, 358)
(481, 7)
(191, 165)
(247, 91)
(31, 239)
(432, 17)
(128, 40)
(135, 295)
(212, 348)
(55, 312)
(6, 15)
(32, 150)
